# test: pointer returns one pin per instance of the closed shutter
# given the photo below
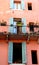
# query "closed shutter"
(11, 4)
(11, 23)
(22, 4)
(24, 58)
(24, 25)
(10, 52)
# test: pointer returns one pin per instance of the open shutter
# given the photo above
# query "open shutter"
(10, 52)
(15, 27)
(11, 4)
(11, 23)
(23, 4)
(19, 6)
(24, 58)
(24, 25)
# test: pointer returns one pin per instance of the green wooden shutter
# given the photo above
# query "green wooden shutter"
(15, 28)
(23, 4)
(11, 27)
(10, 52)
(24, 25)
(11, 4)
(24, 58)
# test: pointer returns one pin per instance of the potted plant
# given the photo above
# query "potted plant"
(3, 23)
(19, 23)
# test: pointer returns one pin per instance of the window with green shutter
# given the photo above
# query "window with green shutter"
(17, 4)
(17, 53)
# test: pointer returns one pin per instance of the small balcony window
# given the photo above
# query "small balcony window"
(31, 26)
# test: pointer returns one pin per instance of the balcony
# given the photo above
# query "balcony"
(19, 35)
(10, 36)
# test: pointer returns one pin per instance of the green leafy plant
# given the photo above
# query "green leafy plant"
(19, 23)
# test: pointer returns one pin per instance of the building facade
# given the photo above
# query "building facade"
(19, 32)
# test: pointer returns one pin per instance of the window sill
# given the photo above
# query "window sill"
(16, 9)
(17, 64)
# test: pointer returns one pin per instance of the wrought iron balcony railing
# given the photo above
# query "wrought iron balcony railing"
(21, 33)
(10, 36)
(35, 26)
(15, 29)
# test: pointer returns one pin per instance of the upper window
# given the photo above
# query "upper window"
(29, 6)
(17, 5)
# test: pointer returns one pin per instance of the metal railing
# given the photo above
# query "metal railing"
(18, 29)
(20, 25)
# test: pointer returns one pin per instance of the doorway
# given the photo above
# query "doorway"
(17, 53)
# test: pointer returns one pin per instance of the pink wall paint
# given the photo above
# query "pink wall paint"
(3, 53)
(31, 16)
(33, 45)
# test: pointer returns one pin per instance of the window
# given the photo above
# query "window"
(31, 26)
(17, 27)
(17, 53)
(29, 6)
(34, 57)
(17, 5)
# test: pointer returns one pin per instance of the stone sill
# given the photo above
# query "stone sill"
(17, 64)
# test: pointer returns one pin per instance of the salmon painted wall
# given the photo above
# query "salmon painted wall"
(31, 16)
(3, 53)
(33, 45)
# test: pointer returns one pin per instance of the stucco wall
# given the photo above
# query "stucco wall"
(6, 13)
(33, 45)
(3, 53)
(31, 16)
